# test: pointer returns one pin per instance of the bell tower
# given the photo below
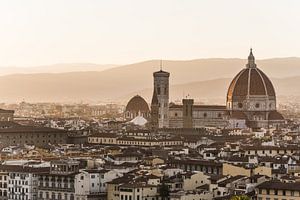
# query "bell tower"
(161, 97)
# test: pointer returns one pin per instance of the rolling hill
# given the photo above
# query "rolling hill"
(202, 78)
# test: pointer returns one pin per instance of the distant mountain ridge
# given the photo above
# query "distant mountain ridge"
(215, 91)
(56, 68)
(202, 78)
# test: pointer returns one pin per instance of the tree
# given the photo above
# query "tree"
(241, 197)
(164, 191)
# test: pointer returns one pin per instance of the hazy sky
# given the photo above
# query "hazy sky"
(37, 32)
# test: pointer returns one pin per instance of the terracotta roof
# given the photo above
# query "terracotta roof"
(238, 115)
(172, 105)
(260, 147)
(137, 185)
(277, 185)
(104, 135)
(200, 107)
(210, 107)
(196, 162)
(230, 180)
(25, 169)
(13, 127)
(250, 81)
(6, 111)
(274, 115)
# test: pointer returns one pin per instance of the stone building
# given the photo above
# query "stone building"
(21, 182)
(251, 93)
(12, 134)
(251, 102)
(189, 115)
(6, 115)
(278, 190)
(59, 182)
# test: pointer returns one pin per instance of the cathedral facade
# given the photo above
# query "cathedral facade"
(251, 102)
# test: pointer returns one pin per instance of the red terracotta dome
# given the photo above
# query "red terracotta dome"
(251, 81)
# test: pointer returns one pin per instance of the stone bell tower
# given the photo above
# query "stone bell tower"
(161, 97)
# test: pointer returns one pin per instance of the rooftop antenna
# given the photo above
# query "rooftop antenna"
(160, 65)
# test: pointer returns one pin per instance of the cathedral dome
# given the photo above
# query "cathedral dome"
(137, 104)
(250, 81)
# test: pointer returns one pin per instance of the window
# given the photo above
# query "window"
(257, 105)
(205, 115)
(158, 90)
(240, 105)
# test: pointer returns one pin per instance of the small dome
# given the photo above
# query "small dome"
(137, 104)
